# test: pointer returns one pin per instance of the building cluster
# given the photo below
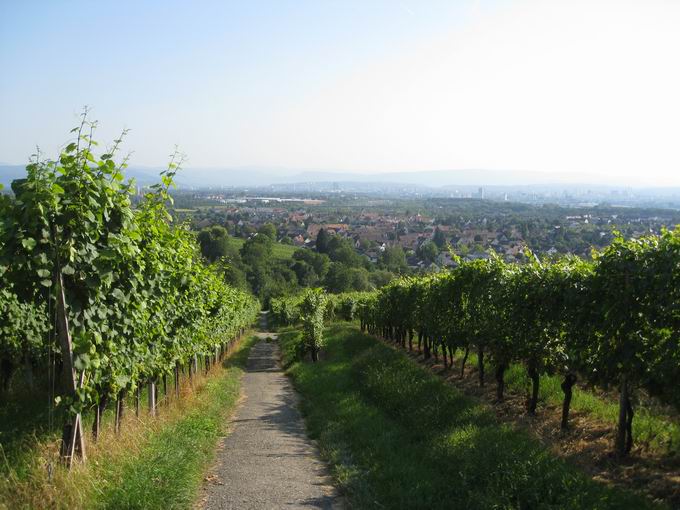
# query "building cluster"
(373, 229)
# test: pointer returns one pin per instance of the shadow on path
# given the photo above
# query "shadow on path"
(268, 461)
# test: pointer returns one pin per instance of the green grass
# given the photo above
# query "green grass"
(279, 251)
(168, 471)
(24, 421)
(651, 429)
(397, 436)
(656, 431)
(155, 464)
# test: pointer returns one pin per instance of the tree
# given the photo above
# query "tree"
(256, 254)
(318, 261)
(439, 238)
(235, 276)
(268, 230)
(358, 277)
(393, 259)
(338, 278)
(322, 239)
(428, 251)
(214, 242)
(380, 278)
(257, 250)
(364, 245)
(342, 250)
(305, 273)
(281, 281)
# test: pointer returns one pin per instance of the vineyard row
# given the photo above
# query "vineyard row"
(613, 322)
(102, 294)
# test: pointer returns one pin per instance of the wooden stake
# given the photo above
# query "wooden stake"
(120, 410)
(152, 397)
(177, 380)
(98, 412)
(96, 425)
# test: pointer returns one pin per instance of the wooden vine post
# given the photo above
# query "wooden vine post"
(177, 379)
(73, 439)
(120, 410)
(152, 397)
(98, 410)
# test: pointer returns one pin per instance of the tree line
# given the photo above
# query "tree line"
(333, 263)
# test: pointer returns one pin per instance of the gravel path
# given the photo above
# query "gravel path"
(267, 461)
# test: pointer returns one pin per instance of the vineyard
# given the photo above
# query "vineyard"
(103, 297)
(101, 292)
(612, 323)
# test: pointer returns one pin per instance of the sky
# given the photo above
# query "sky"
(586, 88)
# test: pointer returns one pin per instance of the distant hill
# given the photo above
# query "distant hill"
(262, 176)
(256, 176)
(440, 178)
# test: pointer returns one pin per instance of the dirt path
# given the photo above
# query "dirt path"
(267, 461)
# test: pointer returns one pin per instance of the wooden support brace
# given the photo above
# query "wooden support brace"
(73, 439)
(73, 442)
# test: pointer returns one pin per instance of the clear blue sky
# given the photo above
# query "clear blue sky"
(354, 85)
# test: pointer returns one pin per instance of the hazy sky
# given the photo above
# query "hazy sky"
(367, 86)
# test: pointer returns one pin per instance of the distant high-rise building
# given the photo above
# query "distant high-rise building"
(480, 193)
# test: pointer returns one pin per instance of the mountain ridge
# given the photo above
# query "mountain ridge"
(265, 176)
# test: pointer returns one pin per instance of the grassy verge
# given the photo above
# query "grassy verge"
(153, 464)
(399, 437)
(651, 430)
